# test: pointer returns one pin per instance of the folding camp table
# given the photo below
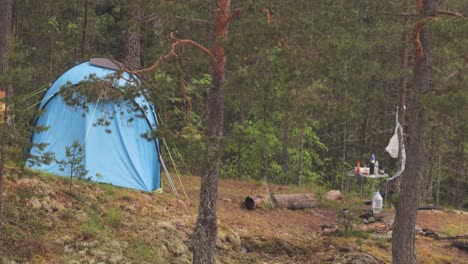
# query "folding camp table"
(373, 177)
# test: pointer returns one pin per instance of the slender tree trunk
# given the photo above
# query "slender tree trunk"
(403, 239)
(51, 56)
(285, 143)
(129, 45)
(84, 33)
(6, 8)
(437, 198)
(459, 168)
(301, 156)
(205, 234)
(403, 92)
(5, 30)
(428, 196)
(460, 175)
(240, 144)
(345, 135)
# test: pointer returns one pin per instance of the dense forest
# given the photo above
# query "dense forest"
(308, 87)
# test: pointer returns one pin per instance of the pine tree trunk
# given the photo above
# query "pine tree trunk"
(205, 234)
(404, 234)
(84, 33)
(129, 45)
(240, 143)
(301, 157)
(459, 167)
(285, 143)
(5, 30)
(5, 33)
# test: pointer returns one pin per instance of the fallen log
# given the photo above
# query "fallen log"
(462, 245)
(289, 201)
(431, 233)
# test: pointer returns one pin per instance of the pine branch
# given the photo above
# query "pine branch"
(233, 14)
(172, 53)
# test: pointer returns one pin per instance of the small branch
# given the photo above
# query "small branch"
(416, 37)
(450, 13)
(420, 6)
(398, 14)
(172, 53)
(420, 24)
(233, 14)
(268, 15)
(195, 20)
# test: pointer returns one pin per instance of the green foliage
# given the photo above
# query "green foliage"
(114, 217)
(73, 162)
(91, 227)
(309, 90)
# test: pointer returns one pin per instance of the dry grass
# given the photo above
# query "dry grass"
(99, 222)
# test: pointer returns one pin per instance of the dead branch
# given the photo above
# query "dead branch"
(450, 13)
(420, 24)
(176, 42)
(233, 14)
(397, 14)
(268, 15)
(416, 37)
(420, 6)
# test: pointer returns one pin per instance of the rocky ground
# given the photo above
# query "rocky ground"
(97, 223)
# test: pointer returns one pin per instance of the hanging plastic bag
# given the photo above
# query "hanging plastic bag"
(393, 145)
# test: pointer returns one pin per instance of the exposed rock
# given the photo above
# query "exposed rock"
(360, 258)
(333, 195)
(418, 230)
(116, 259)
(68, 249)
(98, 254)
(228, 238)
(166, 225)
(386, 236)
(35, 203)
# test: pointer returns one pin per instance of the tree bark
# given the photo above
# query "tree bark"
(84, 33)
(403, 239)
(301, 156)
(459, 167)
(5, 30)
(6, 8)
(129, 45)
(285, 143)
(205, 234)
(241, 142)
(288, 201)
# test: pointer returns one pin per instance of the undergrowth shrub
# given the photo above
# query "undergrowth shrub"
(114, 217)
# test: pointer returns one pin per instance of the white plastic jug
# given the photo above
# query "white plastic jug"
(377, 203)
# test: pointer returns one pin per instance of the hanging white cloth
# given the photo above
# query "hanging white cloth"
(394, 145)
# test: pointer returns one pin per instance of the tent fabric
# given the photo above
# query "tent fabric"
(117, 153)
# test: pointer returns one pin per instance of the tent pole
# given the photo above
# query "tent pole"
(92, 117)
(171, 183)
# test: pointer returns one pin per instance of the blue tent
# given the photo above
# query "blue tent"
(116, 152)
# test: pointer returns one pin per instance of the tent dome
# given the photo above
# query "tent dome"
(114, 153)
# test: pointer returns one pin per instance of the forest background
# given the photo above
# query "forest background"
(311, 86)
